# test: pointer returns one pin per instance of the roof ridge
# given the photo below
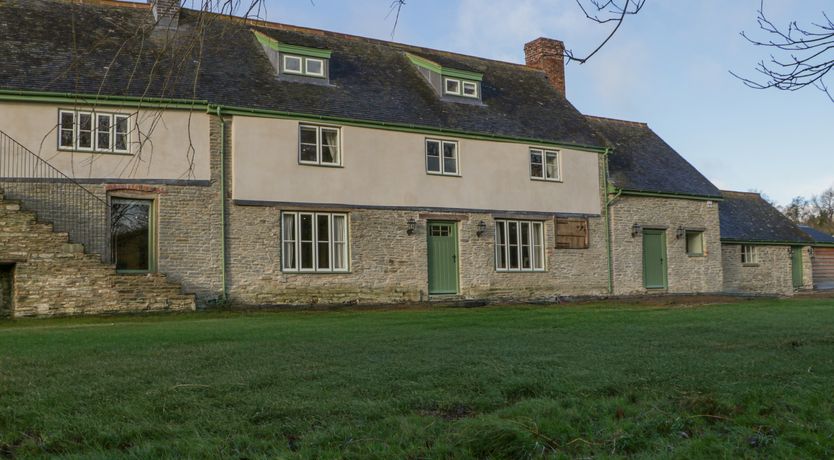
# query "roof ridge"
(116, 3)
(741, 193)
(617, 120)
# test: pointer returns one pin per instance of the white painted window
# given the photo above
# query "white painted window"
(470, 89)
(694, 242)
(544, 165)
(749, 254)
(519, 245)
(292, 64)
(442, 157)
(451, 86)
(314, 242)
(66, 129)
(319, 145)
(301, 65)
(93, 131)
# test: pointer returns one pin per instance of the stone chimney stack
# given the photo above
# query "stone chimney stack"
(166, 13)
(547, 55)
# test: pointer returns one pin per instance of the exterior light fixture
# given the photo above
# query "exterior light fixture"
(412, 225)
(481, 228)
(811, 252)
(636, 230)
(680, 232)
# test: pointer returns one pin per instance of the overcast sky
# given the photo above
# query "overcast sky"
(667, 66)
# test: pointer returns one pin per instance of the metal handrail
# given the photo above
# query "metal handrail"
(55, 197)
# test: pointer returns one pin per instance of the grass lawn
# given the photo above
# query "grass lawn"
(754, 379)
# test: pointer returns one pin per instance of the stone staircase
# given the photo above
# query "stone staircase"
(53, 277)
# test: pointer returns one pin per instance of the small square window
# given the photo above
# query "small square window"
(319, 145)
(749, 255)
(452, 86)
(314, 67)
(292, 64)
(470, 89)
(694, 243)
(544, 164)
(66, 134)
(442, 157)
(85, 131)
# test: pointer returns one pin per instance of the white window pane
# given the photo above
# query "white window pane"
(512, 232)
(450, 158)
(292, 64)
(121, 133)
(85, 131)
(433, 156)
(452, 86)
(526, 260)
(552, 164)
(323, 241)
(306, 231)
(308, 139)
(339, 242)
(470, 89)
(538, 246)
(314, 67)
(536, 169)
(103, 127)
(288, 230)
(500, 245)
(330, 146)
(67, 130)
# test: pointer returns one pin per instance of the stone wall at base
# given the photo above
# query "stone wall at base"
(387, 265)
(770, 275)
(686, 274)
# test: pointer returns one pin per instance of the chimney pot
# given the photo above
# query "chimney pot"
(166, 13)
(547, 55)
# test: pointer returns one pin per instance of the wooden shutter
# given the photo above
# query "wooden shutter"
(571, 233)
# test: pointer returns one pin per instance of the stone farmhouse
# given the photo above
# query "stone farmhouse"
(158, 158)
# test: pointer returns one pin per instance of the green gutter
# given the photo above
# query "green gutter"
(767, 243)
(682, 196)
(223, 203)
(102, 100)
(242, 111)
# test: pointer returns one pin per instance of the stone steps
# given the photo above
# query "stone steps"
(54, 276)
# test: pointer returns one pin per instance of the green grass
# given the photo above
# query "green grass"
(754, 379)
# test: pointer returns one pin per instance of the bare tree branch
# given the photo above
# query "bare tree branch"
(604, 12)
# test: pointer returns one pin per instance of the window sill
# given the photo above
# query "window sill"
(300, 272)
(520, 271)
(539, 179)
(321, 165)
(97, 152)
(429, 173)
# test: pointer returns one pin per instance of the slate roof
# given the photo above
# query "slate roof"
(748, 217)
(107, 47)
(642, 161)
(816, 235)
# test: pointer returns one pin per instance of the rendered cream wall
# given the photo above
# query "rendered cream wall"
(177, 139)
(387, 168)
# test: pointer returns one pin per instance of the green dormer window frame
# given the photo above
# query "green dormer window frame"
(454, 82)
(291, 49)
(295, 59)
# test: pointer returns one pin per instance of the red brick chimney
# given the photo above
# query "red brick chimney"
(166, 13)
(547, 55)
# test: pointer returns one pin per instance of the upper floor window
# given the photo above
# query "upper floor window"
(458, 87)
(319, 145)
(314, 242)
(442, 157)
(93, 131)
(519, 245)
(544, 164)
(749, 254)
(301, 65)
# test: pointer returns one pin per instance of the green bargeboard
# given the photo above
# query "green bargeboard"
(443, 257)
(796, 266)
(654, 259)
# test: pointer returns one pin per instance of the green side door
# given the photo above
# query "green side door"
(654, 259)
(443, 257)
(796, 266)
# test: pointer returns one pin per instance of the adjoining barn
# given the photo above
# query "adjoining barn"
(763, 252)
(822, 258)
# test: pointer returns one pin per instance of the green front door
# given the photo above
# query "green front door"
(443, 257)
(796, 266)
(654, 259)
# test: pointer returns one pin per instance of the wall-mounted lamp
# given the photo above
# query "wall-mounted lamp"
(811, 252)
(679, 233)
(481, 228)
(412, 225)
(636, 230)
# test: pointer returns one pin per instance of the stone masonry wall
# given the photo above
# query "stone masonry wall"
(771, 275)
(686, 274)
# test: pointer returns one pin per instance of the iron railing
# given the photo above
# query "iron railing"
(55, 197)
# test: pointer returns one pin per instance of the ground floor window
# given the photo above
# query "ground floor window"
(694, 243)
(131, 234)
(314, 242)
(519, 245)
(749, 254)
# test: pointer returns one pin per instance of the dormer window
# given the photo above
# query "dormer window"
(451, 84)
(296, 63)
